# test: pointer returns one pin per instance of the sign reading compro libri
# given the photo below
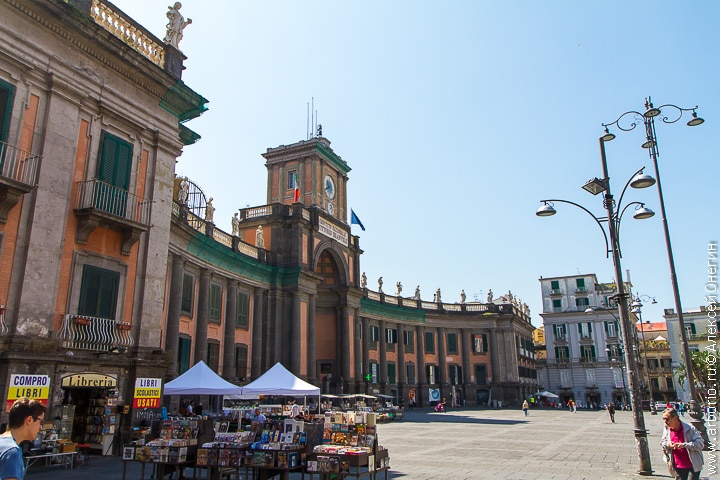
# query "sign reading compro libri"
(147, 393)
(36, 387)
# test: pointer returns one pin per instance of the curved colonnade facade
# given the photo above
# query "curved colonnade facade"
(296, 296)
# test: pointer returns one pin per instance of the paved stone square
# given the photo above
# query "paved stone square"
(465, 444)
(504, 444)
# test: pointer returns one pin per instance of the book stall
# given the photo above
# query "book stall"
(341, 444)
(264, 451)
(349, 448)
(173, 450)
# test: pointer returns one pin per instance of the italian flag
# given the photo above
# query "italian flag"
(297, 190)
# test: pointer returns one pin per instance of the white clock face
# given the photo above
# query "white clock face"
(331, 208)
(329, 186)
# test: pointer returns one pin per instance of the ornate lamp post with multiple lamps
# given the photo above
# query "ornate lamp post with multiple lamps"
(613, 218)
(631, 119)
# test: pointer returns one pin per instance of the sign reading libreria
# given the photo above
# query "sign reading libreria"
(36, 387)
(147, 393)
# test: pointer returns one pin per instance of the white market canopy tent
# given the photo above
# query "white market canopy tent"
(279, 381)
(200, 380)
(547, 394)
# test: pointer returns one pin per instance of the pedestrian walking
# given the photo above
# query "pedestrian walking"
(25, 420)
(611, 411)
(526, 408)
(682, 445)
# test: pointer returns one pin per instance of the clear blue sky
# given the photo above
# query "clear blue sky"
(456, 118)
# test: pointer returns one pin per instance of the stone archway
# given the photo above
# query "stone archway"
(330, 302)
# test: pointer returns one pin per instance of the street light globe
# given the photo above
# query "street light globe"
(642, 213)
(545, 210)
(642, 180)
(695, 120)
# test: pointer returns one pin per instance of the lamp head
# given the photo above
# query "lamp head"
(642, 180)
(649, 143)
(595, 186)
(636, 304)
(695, 120)
(651, 111)
(643, 212)
(546, 210)
(607, 136)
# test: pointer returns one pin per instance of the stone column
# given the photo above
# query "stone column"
(365, 347)
(172, 328)
(494, 366)
(345, 368)
(465, 347)
(383, 356)
(203, 312)
(420, 355)
(357, 349)
(256, 366)
(295, 335)
(311, 342)
(442, 360)
(231, 314)
(401, 377)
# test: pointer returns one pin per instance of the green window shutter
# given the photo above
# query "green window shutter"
(213, 356)
(188, 293)
(183, 355)
(485, 342)
(452, 343)
(429, 342)
(391, 373)
(555, 284)
(215, 301)
(241, 360)
(98, 292)
(243, 310)
(7, 93)
(115, 161)
(580, 282)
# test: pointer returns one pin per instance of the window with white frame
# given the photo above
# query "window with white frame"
(564, 378)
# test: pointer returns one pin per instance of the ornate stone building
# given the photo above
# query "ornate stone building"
(300, 299)
(112, 269)
(91, 106)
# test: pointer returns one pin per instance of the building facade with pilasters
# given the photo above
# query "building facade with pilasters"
(286, 286)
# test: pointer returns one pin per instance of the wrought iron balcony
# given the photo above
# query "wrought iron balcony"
(92, 333)
(18, 176)
(99, 203)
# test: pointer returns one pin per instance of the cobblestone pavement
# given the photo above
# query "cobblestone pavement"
(479, 444)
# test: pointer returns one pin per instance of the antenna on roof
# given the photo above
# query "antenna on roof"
(307, 123)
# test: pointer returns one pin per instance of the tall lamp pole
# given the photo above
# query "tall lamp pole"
(651, 144)
(596, 186)
(637, 309)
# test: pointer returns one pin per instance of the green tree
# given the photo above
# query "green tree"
(704, 367)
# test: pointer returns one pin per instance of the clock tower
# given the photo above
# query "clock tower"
(310, 173)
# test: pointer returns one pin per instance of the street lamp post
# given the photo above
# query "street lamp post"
(596, 186)
(637, 309)
(651, 144)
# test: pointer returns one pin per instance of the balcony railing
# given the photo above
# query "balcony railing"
(129, 32)
(92, 333)
(588, 359)
(18, 165)
(109, 199)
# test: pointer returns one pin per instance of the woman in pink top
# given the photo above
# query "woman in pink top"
(683, 443)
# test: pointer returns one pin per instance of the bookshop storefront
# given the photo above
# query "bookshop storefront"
(88, 413)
